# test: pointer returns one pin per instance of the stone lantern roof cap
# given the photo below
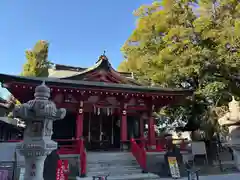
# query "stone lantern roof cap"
(42, 91)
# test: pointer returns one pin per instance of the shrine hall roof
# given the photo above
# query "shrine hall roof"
(100, 76)
(63, 71)
(56, 82)
(102, 69)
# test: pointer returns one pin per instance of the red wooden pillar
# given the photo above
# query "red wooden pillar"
(80, 140)
(79, 122)
(151, 130)
(124, 126)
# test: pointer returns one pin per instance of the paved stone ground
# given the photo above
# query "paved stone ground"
(235, 176)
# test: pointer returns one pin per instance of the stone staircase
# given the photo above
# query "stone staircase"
(116, 164)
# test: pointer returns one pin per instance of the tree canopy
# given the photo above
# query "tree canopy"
(37, 60)
(188, 44)
(36, 66)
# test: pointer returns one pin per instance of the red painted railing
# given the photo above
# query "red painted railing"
(160, 144)
(77, 147)
(142, 146)
(139, 153)
(69, 148)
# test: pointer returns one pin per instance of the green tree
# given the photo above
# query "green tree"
(175, 45)
(37, 60)
(37, 65)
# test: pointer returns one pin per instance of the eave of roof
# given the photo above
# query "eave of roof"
(90, 84)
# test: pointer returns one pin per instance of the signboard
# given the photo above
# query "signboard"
(173, 166)
(62, 170)
(74, 164)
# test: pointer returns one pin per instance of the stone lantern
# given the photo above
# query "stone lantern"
(232, 120)
(38, 115)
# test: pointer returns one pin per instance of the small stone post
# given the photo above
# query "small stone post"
(38, 115)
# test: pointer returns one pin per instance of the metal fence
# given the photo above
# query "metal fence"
(7, 170)
(10, 170)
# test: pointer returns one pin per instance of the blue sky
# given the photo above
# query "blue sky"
(78, 30)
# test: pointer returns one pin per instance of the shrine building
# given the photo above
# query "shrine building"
(104, 106)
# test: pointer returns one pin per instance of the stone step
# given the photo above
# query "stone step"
(113, 173)
(117, 156)
(112, 164)
(111, 160)
(134, 176)
(112, 169)
(115, 163)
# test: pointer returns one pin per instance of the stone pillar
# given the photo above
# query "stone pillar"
(79, 122)
(38, 115)
(151, 131)
(124, 129)
(34, 167)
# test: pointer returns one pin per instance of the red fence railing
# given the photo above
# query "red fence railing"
(138, 151)
(77, 147)
(69, 148)
(160, 144)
